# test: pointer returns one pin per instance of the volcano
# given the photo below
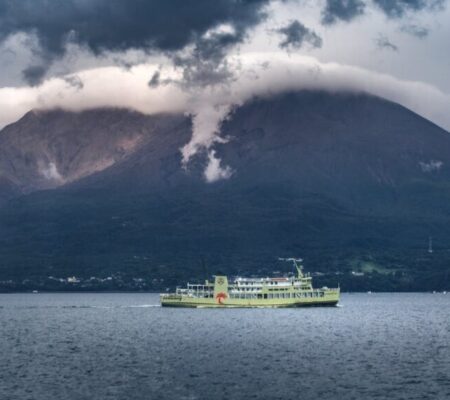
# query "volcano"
(335, 177)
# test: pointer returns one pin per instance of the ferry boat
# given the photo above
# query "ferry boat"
(295, 291)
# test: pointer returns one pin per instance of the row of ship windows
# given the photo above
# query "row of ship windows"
(253, 289)
(267, 283)
(244, 284)
(276, 295)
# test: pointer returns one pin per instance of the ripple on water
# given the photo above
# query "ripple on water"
(124, 346)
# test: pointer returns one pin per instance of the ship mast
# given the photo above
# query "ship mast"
(297, 264)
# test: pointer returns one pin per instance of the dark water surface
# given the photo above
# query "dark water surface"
(123, 346)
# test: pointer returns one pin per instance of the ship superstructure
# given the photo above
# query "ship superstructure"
(293, 291)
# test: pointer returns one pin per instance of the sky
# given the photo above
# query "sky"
(204, 57)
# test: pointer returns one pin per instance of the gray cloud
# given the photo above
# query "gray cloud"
(115, 25)
(74, 81)
(342, 10)
(347, 10)
(34, 73)
(383, 42)
(154, 80)
(432, 165)
(398, 8)
(296, 34)
(206, 64)
(418, 31)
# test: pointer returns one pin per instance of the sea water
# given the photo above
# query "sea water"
(124, 346)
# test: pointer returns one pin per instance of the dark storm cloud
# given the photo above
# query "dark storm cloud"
(383, 42)
(415, 30)
(296, 34)
(116, 25)
(342, 10)
(397, 8)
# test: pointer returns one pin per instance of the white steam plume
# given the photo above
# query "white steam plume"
(51, 173)
(214, 170)
(205, 129)
(205, 132)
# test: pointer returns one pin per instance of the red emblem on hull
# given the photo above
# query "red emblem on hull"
(220, 297)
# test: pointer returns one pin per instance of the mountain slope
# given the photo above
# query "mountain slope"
(48, 149)
(345, 180)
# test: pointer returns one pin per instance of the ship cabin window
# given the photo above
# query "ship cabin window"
(322, 294)
(265, 295)
(259, 295)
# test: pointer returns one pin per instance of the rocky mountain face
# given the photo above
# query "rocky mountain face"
(332, 177)
(48, 149)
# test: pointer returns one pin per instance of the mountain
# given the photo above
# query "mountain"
(354, 183)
